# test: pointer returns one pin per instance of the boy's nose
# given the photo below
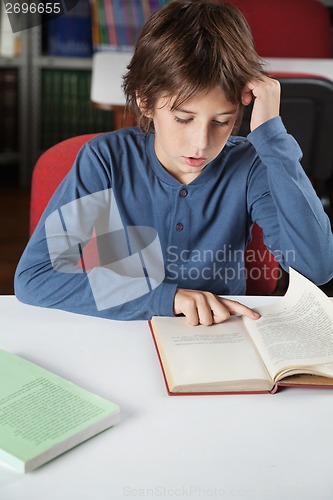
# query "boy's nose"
(200, 138)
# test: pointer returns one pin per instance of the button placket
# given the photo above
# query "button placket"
(182, 193)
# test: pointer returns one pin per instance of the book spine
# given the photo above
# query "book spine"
(66, 107)
(118, 23)
(103, 34)
(110, 23)
(95, 24)
(9, 110)
(128, 23)
(70, 35)
(154, 5)
(146, 9)
(47, 106)
(138, 17)
(75, 125)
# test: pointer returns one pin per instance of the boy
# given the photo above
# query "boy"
(171, 203)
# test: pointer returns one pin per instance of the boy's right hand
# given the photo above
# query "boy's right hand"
(265, 92)
(205, 308)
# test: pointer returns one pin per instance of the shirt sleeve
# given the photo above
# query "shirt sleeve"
(82, 259)
(282, 201)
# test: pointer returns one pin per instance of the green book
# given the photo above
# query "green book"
(43, 415)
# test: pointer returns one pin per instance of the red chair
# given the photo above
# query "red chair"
(307, 112)
(262, 269)
(288, 28)
(299, 29)
(49, 171)
(52, 166)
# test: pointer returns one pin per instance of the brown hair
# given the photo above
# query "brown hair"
(187, 47)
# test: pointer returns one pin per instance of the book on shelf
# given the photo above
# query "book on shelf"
(70, 35)
(9, 122)
(116, 24)
(67, 110)
(290, 345)
(43, 415)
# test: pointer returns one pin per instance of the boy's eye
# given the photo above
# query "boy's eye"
(188, 120)
(221, 124)
(182, 120)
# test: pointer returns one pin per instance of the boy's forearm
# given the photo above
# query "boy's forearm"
(302, 237)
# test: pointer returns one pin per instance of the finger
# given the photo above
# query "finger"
(208, 310)
(192, 317)
(235, 307)
(205, 306)
(248, 93)
(218, 311)
(190, 312)
(247, 96)
(197, 309)
(221, 315)
(264, 84)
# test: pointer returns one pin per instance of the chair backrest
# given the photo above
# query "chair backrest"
(307, 113)
(261, 267)
(288, 28)
(50, 169)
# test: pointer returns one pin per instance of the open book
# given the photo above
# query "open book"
(43, 415)
(291, 344)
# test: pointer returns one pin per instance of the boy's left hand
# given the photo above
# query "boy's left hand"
(266, 94)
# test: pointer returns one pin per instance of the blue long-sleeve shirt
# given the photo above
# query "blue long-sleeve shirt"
(156, 235)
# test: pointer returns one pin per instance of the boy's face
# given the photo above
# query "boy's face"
(191, 136)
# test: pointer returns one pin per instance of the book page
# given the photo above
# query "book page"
(297, 331)
(209, 358)
(324, 369)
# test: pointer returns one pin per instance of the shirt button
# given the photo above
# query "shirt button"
(183, 193)
(179, 226)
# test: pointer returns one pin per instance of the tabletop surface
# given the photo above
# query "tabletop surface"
(236, 446)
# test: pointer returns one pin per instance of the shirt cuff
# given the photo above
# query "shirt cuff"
(266, 132)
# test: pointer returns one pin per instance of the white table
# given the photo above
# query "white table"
(109, 68)
(267, 447)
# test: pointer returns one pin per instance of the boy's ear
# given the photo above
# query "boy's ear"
(142, 105)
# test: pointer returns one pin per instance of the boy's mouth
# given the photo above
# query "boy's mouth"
(194, 161)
